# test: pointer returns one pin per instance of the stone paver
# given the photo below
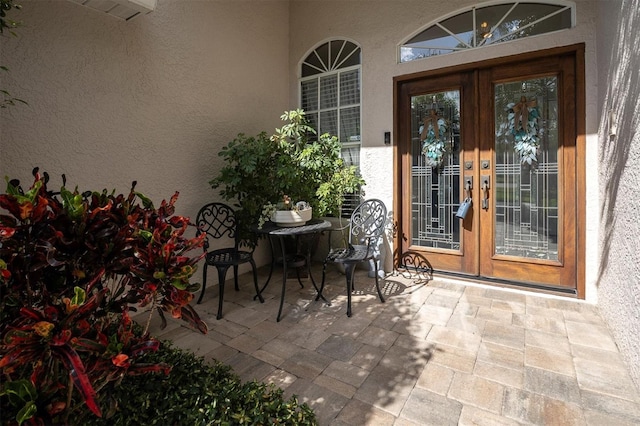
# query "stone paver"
(436, 353)
(477, 392)
(427, 408)
(503, 356)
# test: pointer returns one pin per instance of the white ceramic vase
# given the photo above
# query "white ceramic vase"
(292, 217)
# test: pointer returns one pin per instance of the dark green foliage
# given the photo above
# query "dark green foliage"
(261, 170)
(195, 393)
(8, 25)
(72, 266)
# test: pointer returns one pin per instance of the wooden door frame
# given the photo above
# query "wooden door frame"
(578, 51)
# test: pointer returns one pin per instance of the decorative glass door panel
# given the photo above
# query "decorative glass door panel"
(435, 170)
(526, 169)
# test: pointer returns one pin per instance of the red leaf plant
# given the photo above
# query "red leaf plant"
(72, 267)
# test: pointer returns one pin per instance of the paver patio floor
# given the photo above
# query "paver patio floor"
(438, 352)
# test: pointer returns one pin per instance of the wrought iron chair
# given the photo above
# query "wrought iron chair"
(219, 222)
(366, 226)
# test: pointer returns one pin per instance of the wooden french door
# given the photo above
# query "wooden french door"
(503, 137)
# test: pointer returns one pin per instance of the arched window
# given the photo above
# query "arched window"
(330, 93)
(484, 25)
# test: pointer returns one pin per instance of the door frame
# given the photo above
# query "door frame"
(578, 51)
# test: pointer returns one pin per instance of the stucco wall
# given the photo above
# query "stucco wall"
(152, 99)
(378, 27)
(619, 80)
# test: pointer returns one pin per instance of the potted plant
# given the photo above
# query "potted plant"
(261, 171)
(286, 213)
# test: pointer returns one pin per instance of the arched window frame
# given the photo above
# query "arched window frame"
(339, 60)
(482, 31)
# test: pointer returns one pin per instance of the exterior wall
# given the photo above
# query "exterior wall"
(379, 27)
(619, 267)
(152, 99)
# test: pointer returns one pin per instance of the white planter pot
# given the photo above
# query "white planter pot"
(292, 217)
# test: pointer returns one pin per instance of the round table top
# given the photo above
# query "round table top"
(312, 226)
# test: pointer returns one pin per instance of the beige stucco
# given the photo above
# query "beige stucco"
(619, 176)
(154, 99)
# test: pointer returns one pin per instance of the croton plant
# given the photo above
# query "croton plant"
(73, 265)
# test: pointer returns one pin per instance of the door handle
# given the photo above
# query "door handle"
(485, 185)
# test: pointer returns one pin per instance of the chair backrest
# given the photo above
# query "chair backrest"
(218, 221)
(367, 222)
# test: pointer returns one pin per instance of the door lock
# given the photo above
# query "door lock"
(468, 183)
(465, 206)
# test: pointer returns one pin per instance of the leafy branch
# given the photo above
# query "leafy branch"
(8, 25)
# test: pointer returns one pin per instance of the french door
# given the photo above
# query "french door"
(501, 137)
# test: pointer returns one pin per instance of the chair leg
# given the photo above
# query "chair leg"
(255, 280)
(204, 282)
(235, 277)
(222, 273)
(350, 269)
(375, 262)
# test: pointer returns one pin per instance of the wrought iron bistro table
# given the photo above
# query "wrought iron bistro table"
(301, 256)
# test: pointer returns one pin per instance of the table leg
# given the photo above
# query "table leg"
(273, 264)
(284, 277)
(313, 281)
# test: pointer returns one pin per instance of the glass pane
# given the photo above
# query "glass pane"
(328, 122)
(350, 88)
(434, 35)
(313, 64)
(435, 171)
(350, 124)
(312, 120)
(349, 54)
(351, 155)
(516, 24)
(309, 97)
(526, 174)
(335, 47)
(308, 70)
(329, 92)
(491, 16)
(408, 54)
(462, 26)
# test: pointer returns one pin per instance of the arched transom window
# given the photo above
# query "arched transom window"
(483, 25)
(330, 93)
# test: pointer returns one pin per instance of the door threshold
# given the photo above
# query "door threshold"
(509, 285)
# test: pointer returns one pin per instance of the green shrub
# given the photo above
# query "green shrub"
(195, 393)
(262, 170)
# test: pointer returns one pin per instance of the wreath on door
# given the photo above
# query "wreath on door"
(523, 125)
(433, 132)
